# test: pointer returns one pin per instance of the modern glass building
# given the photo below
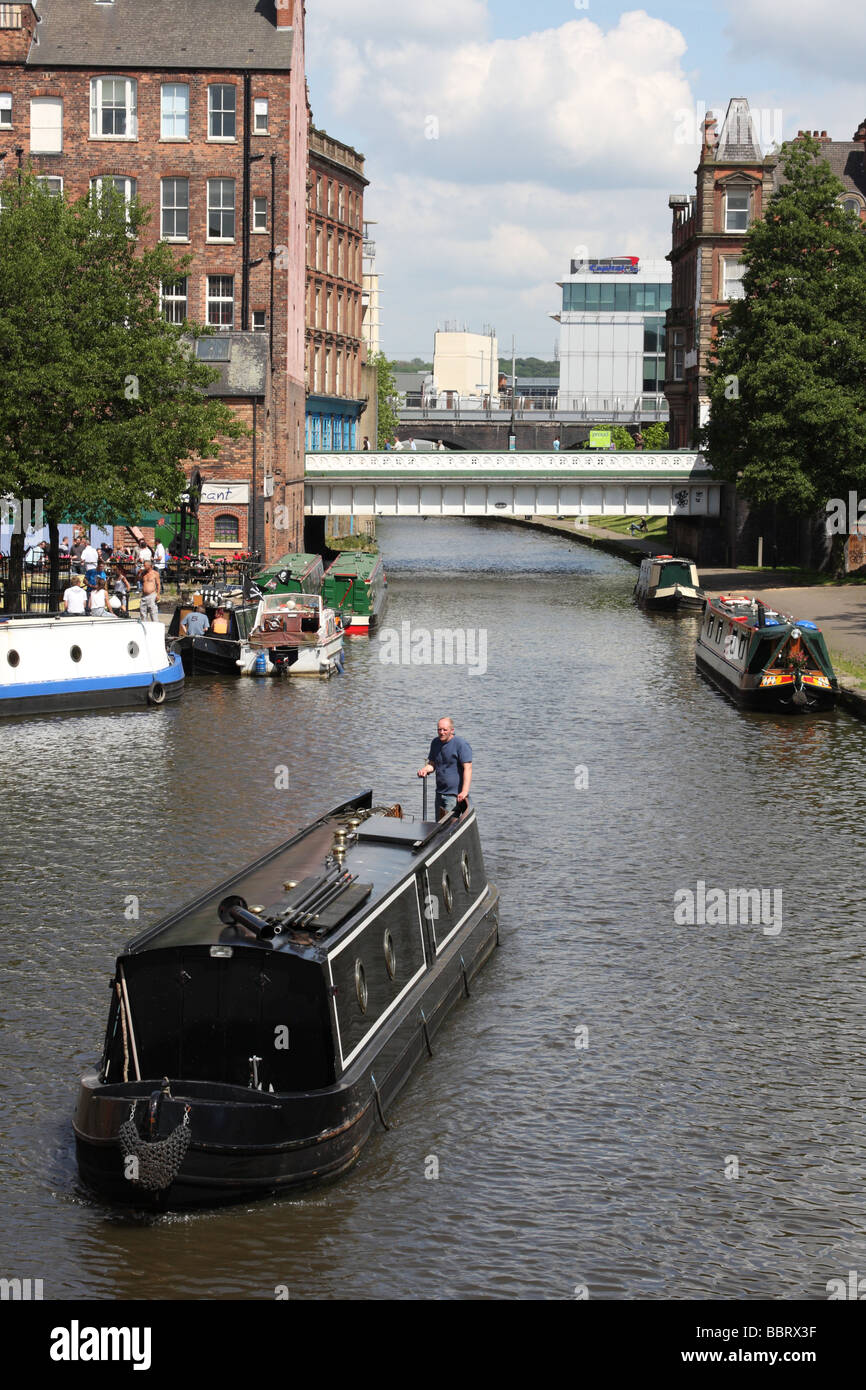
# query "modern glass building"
(612, 334)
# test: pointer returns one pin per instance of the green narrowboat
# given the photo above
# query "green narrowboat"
(356, 588)
(763, 659)
(292, 574)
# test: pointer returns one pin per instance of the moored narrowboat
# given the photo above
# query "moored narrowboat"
(356, 588)
(292, 635)
(764, 659)
(257, 1036)
(294, 573)
(231, 615)
(669, 582)
(55, 662)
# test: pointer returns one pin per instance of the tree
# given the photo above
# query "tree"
(655, 436)
(387, 398)
(101, 399)
(788, 384)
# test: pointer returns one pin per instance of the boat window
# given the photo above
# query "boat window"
(13, 658)
(75, 653)
(447, 893)
(361, 986)
(390, 954)
(133, 649)
(676, 572)
(719, 631)
(467, 875)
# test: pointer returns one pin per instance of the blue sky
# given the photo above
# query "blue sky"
(499, 139)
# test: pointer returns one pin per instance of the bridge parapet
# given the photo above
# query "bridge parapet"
(407, 463)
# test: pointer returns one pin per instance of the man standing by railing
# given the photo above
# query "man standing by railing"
(150, 591)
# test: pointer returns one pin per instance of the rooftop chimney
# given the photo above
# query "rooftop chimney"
(860, 132)
(285, 13)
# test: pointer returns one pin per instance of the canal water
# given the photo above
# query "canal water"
(629, 1105)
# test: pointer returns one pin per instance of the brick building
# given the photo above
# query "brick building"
(199, 110)
(335, 350)
(734, 183)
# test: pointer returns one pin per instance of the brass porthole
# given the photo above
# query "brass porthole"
(447, 894)
(361, 986)
(390, 954)
(13, 658)
(75, 653)
(467, 874)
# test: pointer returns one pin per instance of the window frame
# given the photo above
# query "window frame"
(257, 129)
(211, 113)
(165, 298)
(97, 108)
(174, 209)
(737, 190)
(724, 263)
(177, 86)
(258, 230)
(221, 211)
(227, 540)
(216, 299)
(10, 124)
(44, 179)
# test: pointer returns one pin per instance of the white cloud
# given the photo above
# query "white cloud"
(818, 38)
(541, 142)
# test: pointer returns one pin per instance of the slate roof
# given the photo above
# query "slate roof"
(737, 143)
(847, 159)
(187, 34)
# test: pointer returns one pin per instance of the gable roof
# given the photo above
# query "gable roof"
(184, 34)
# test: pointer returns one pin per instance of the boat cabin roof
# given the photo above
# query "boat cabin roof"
(297, 565)
(751, 613)
(354, 563)
(303, 885)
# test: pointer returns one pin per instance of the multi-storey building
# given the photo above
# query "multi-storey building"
(370, 297)
(335, 348)
(199, 110)
(734, 183)
(611, 339)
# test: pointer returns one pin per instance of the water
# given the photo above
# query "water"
(608, 777)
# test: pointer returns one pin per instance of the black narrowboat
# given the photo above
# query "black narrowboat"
(763, 659)
(258, 1035)
(231, 613)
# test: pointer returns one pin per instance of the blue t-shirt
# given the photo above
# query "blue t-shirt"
(448, 760)
(196, 623)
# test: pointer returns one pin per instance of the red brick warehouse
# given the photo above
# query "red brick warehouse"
(199, 110)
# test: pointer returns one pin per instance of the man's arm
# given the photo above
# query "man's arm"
(466, 782)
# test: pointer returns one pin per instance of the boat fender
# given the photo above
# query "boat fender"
(156, 694)
(155, 1165)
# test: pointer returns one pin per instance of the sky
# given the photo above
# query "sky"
(502, 138)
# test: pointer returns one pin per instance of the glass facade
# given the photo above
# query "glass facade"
(605, 296)
(331, 432)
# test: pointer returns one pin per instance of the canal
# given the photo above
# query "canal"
(629, 1104)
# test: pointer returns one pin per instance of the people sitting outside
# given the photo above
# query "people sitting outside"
(98, 599)
(220, 625)
(196, 623)
(121, 589)
(74, 599)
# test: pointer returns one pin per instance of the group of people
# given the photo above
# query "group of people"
(99, 582)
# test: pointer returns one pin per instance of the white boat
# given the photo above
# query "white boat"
(72, 662)
(293, 635)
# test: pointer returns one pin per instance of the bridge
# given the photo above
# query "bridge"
(624, 483)
(534, 425)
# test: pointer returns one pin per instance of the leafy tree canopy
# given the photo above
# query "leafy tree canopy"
(100, 399)
(387, 398)
(788, 386)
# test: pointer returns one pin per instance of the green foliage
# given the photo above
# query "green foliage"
(100, 400)
(655, 436)
(788, 387)
(528, 367)
(416, 365)
(387, 389)
(619, 437)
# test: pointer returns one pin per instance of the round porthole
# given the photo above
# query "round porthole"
(13, 658)
(390, 954)
(361, 986)
(75, 653)
(467, 875)
(133, 649)
(446, 892)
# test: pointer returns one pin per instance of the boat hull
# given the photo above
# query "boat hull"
(216, 655)
(673, 603)
(246, 1143)
(778, 699)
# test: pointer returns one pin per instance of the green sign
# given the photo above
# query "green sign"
(599, 439)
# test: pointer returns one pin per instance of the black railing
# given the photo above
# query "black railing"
(204, 569)
(32, 593)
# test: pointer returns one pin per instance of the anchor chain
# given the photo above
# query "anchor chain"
(157, 1164)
